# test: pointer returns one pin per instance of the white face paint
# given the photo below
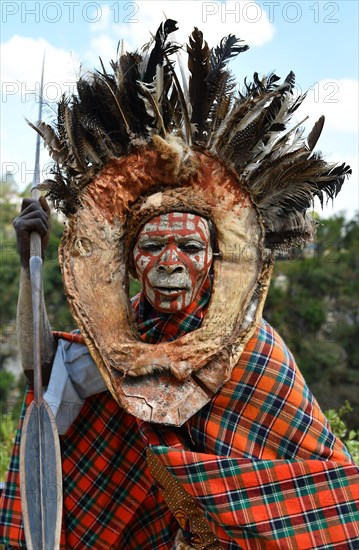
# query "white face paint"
(173, 256)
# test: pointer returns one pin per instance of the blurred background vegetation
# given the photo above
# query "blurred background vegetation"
(313, 303)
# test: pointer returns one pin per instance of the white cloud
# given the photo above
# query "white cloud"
(101, 46)
(21, 60)
(245, 19)
(337, 100)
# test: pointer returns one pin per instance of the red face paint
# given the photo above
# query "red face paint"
(173, 256)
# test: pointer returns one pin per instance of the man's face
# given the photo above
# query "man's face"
(172, 257)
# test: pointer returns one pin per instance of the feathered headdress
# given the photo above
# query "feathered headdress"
(116, 113)
(144, 140)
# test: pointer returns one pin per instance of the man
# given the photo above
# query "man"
(208, 436)
(172, 257)
(110, 497)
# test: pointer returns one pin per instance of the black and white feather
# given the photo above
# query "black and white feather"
(249, 129)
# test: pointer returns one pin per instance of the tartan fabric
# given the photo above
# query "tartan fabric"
(280, 504)
(259, 459)
(109, 497)
(73, 336)
(155, 326)
(263, 463)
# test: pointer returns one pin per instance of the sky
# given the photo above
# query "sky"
(318, 40)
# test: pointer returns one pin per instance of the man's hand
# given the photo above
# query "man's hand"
(34, 216)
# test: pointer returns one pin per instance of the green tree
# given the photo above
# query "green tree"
(316, 311)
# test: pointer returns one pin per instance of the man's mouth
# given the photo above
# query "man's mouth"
(170, 289)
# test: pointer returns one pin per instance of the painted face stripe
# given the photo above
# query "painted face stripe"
(181, 222)
(168, 266)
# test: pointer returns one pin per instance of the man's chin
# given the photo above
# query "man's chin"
(171, 302)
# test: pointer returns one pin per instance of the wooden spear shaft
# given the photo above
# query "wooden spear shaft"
(36, 265)
(40, 456)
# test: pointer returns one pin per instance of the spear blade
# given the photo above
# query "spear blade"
(41, 479)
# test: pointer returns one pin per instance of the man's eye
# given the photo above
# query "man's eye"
(151, 247)
(191, 248)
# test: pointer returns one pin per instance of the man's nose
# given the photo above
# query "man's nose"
(170, 261)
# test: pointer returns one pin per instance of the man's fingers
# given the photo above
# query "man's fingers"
(32, 204)
(30, 214)
(27, 202)
(33, 224)
(34, 216)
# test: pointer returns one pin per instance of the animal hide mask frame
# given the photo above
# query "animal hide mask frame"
(136, 143)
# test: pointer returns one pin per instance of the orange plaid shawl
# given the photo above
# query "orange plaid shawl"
(259, 460)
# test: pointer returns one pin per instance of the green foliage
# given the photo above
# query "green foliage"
(9, 261)
(315, 310)
(350, 438)
(135, 287)
(352, 444)
(7, 383)
(7, 436)
(8, 187)
(11, 401)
